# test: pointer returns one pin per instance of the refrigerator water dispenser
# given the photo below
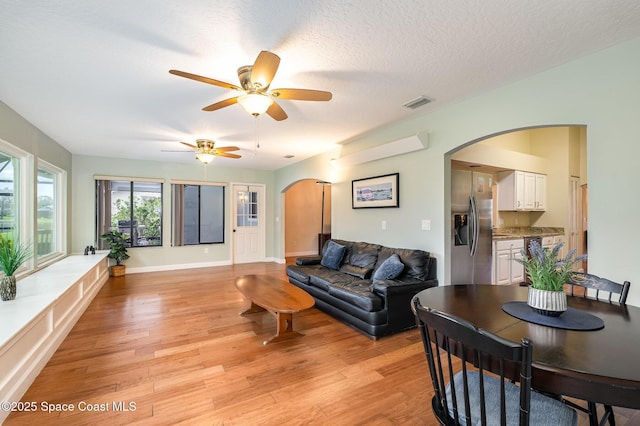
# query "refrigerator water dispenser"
(460, 229)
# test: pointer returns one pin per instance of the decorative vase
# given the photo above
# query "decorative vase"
(8, 287)
(548, 303)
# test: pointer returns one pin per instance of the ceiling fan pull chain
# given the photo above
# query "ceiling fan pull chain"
(256, 127)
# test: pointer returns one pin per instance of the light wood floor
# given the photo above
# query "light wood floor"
(172, 347)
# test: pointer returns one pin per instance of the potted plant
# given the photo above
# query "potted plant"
(117, 252)
(548, 273)
(13, 254)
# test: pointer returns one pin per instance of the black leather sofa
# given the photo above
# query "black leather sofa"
(358, 288)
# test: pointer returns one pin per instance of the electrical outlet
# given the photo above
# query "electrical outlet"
(384, 225)
(426, 225)
(206, 250)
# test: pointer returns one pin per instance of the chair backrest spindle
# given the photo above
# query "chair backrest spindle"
(581, 283)
(483, 390)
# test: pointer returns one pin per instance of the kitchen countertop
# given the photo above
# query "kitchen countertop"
(522, 232)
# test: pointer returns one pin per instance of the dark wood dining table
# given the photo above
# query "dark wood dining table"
(599, 365)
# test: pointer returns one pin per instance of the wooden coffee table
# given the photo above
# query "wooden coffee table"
(279, 297)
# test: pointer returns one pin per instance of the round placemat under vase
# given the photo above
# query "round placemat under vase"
(571, 319)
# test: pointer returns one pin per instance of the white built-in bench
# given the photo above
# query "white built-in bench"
(47, 305)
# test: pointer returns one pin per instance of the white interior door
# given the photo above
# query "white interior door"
(248, 223)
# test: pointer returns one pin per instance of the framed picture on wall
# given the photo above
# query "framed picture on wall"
(373, 192)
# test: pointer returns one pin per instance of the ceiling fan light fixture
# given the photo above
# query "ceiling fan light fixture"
(255, 103)
(205, 157)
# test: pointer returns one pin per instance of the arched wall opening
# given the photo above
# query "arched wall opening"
(558, 152)
(306, 216)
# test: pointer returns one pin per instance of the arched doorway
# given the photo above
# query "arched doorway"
(307, 216)
(558, 153)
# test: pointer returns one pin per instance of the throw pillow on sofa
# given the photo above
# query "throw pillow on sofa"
(333, 255)
(391, 268)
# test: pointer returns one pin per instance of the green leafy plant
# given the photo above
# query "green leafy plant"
(145, 210)
(545, 267)
(117, 248)
(13, 254)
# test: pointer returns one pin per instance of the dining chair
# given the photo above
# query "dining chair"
(485, 389)
(589, 285)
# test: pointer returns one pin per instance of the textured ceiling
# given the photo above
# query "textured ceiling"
(93, 75)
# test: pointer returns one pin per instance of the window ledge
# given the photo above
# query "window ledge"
(47, 305)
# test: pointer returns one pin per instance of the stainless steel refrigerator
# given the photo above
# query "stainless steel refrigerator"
(471, 214)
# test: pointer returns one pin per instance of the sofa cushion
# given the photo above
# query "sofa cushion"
(389, 269)
(301, 273)
(324, 277)
(416, 262)
(332, 258)
(363, 255)
(357, 293)
(356, 271)
(308, 260)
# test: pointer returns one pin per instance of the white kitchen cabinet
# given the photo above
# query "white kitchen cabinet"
(557, 240)
(506, 269)
(522, 191)
(511, 190)
(517, 269)
(552, 241)
(540, 198)
(502, 271)
(529, 191)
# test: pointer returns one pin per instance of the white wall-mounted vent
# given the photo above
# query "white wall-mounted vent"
(417, 102)
(390, 149)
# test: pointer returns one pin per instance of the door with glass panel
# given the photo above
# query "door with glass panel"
(248, 223)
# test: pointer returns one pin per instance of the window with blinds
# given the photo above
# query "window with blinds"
(197, 214)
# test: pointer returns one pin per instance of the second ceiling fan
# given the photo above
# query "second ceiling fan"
(254, 82)
(205, 150)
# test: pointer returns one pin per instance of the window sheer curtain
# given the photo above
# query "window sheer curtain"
(177, 230)
(103, 211)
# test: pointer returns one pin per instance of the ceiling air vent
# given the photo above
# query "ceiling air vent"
(417, 102)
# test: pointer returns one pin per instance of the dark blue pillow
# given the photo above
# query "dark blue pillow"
(333, 255)
(389, 269)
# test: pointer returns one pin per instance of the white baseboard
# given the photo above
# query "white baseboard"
(175, 267)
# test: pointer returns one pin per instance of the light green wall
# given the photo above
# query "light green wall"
(19, 132)
(599, 91)
(154, 258)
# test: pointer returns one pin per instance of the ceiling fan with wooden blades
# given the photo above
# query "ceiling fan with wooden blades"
(254, 83)
(205, 150)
